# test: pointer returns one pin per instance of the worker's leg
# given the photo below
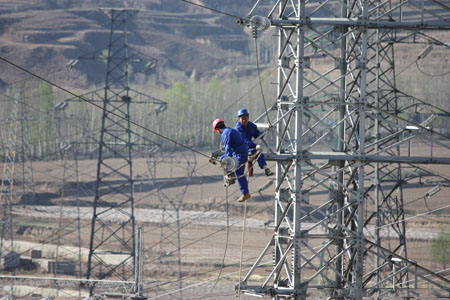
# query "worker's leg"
(262, 161)
(263, 165)
(242, 180)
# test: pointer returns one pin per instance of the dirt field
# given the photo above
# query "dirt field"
(162, 185)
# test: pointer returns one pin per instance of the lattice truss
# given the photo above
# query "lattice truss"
(17, 184)
(344, 129)
(7, 197)
(67, 235)
(112, 244)
(24, 152)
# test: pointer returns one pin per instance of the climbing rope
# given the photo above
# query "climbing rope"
(226, 244)
(242, 249)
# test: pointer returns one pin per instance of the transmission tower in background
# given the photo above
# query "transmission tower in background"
(169, 268)
(112, 243)
(7, 191)
(25, 153)
(68, 233)
(336, 81)
(13, 191)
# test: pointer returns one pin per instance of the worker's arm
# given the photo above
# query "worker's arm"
(227, 145)
(256, 131)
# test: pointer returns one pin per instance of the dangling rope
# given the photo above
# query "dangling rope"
(242, 249)
(226, 244)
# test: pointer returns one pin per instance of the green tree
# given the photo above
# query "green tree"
(42, 131)
(178, 97)
(440, 247)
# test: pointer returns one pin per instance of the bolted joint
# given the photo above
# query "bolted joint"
(361, 64)
(340, 63)
(285, 61)
(305, 62)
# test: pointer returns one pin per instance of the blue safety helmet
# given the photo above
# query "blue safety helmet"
(242, 112)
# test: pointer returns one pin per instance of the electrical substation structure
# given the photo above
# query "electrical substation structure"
(169, 252)
(336, 81)
(17, 183)
(114, 191)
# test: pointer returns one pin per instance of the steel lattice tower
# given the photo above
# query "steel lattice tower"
(25, 155)
(7, 195)
(68, 234)
(112, 243)
(336, 78)
(169, 267)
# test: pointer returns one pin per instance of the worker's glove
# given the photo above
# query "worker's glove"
(213, 160)
(258, 148)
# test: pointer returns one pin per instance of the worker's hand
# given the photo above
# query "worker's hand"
(258, 148)
(213, 160)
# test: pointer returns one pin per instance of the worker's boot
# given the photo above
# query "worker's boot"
(244, 197)
(268, 172)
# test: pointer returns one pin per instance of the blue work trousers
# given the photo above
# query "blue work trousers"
(261, 159)
(241, 178)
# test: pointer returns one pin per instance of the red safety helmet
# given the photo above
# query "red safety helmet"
(217, 122)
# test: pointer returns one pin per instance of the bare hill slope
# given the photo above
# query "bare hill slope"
(45, 35)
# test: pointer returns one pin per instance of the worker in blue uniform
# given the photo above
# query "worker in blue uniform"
(236, 147)
(249, 130)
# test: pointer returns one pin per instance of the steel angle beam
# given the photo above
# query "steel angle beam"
(333, 156)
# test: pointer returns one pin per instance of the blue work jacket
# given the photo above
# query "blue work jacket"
(247, 133)
(234, 145)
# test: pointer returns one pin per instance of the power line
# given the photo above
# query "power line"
(228, 274)
(431, 75)
(200, 215)
(259, 75)
(213, 9)
(248, 91)
(100, 107)
(412, 217)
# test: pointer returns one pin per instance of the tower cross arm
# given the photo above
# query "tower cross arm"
(339, 156)
(354, 22)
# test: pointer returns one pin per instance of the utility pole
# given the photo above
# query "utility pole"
(336, 78)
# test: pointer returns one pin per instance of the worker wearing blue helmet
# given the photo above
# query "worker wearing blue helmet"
(249, 130)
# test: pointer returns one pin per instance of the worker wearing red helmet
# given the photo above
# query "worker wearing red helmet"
(249, 130)
(235, 146)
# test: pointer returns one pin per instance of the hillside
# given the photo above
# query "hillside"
(187, 41)
(45, 35)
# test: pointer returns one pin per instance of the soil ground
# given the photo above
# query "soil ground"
(187, 183)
